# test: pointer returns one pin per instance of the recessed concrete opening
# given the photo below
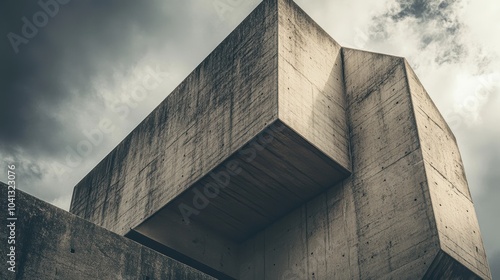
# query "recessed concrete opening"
(271, 175)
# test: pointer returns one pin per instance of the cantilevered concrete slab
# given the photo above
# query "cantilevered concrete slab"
(285, 155)
(226, 110)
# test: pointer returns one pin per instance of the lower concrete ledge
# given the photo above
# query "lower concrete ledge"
(446, 267)
(157, 246)
(51, 243)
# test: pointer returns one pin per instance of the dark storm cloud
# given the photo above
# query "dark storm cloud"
(47, 81)
(423, 10)
(436, 22)
(82, 40)
(51, 81)
(416, 9)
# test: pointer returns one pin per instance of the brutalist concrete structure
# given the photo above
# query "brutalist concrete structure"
(286, 156)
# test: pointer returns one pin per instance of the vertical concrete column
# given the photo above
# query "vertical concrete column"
(414, 216)
(456, 221)
(395, 227)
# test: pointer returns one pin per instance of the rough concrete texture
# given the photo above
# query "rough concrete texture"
(405, 211)
(452, 204)
(54, 244)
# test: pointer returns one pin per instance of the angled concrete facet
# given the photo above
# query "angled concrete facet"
(286, 155)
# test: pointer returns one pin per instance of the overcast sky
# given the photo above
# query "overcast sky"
(67, 71)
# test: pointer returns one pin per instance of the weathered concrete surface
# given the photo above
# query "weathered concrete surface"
(54, 244)
(290, 212)
(396, 235)
(456, 220)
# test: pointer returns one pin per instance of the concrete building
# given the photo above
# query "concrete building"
(284, 155)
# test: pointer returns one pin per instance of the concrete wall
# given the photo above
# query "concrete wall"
(54, 244)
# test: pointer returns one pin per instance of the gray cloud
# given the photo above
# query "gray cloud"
(483, 156)
(423, 10)
(84, 39)
(435, 22)
(47, 84)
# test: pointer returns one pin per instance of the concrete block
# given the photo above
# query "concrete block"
(226, 111)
